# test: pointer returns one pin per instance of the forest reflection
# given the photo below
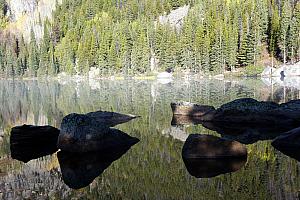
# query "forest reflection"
(152, 168)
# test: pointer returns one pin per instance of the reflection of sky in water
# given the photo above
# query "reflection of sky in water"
(153, 168)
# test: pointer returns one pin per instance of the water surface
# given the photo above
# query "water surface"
(153, 168)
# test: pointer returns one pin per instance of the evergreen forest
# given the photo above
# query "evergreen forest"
(124, 36)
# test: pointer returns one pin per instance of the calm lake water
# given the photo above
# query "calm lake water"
(153, 168)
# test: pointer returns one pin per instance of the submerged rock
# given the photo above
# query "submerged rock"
(31, 142)
(208, 168)
(92, 132)
(80, 169)
(211, 147)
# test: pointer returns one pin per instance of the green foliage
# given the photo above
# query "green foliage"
(253, 70)
(123, 36)
(33, 55)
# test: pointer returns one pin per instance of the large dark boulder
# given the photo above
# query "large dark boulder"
(105, 140)
(110, 119)
(92, 132)
(31, 142)
(247, 120)
(211, 147)
(250, 111)
(80, 169)
(208, 168)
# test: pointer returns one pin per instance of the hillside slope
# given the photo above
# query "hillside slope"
(25, 15)
(121, 36)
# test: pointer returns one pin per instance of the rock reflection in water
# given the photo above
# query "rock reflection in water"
(290, 152)
(288, 143)
(208, 168)
(80, 169)
(32, 142)
(244, 133)
(185, 120)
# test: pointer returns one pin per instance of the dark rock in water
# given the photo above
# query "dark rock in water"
(79, 129)
(110, 119)
(105, 140)
(31, 142)
(207, 156)
(254, 112)
(246, 120)
(92, 132)
(80, 169)
(251, 111)
(211, 147)
(290, 140)
(208, 168)
(190, 109)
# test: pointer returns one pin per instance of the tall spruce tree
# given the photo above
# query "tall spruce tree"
(33, 60)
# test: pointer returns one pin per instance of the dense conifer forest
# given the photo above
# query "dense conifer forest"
(123, 36)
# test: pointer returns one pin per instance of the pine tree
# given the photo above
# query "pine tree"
(285, 21)
(296, 29)
(44, 57)
(274, 29)
(33, 55)
(23, 56)
(250, 48)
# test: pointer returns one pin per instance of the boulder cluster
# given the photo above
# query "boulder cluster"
(242, 121)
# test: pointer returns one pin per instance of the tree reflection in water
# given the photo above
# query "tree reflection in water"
(153, 169)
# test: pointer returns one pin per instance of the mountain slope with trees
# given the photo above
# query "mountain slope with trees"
(122, 36)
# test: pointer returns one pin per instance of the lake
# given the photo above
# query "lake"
(152, 168)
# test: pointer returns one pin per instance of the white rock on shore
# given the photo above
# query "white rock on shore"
(292, 70)
(285, 70)
(268, 72)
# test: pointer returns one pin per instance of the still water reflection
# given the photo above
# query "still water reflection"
(153, 168)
